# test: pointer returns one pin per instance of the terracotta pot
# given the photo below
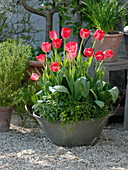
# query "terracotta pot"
(5, 118)
(126, 43)
(110, 41)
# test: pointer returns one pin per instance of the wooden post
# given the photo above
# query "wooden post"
(126, 110)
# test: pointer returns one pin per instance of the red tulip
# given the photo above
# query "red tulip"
(53, 34)
(84, 33)
(55, 67)
(71, 47)
(88, 52)
(71, 55)
(65, 33)
(46, 47)
(98, 35)
(41, 58)
(34, 76)
(56, 43)
(99, 55)
(108, 53)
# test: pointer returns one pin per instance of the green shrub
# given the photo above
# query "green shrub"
(13, 63)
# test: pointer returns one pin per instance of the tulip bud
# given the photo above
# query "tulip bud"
(65, 33)
(46, 47)
(98, 35)
(41, 58)
(84, 33)
(56, 43)
(55, 67)
(99, 55)
(34, 76)
(53, 35)
(108, 53)
(88, 52)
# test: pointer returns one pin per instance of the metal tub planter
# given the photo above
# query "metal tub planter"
(85, 132)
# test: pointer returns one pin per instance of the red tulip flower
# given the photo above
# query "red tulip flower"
(34, 76)
(98, 35)
(41, 58)
(108, 53)
(84, 33)
(55, 67)
(65, 33)
(53, 35)
(71, 47)
(46, 47)
(88, 52)
(71, 55)
(99, 55)
(56, 43)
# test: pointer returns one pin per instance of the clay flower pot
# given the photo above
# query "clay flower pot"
(5, 118)
(110, 41)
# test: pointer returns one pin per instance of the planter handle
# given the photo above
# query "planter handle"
(26, 108)
(113, 112)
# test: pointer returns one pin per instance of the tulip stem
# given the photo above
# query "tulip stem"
(94, 44)
(79, 53)
(64, 46)
(55, 55)
(46, 61)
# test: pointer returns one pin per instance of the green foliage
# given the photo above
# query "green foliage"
(103, 14)
(58, 107)
(13, 63)
(66, 10)
(23, 96)
(16, 22)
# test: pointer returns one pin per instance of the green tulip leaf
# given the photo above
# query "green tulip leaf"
(77, 88)
(86, 87)
(58, 88)
(99, 103)
(114, 93)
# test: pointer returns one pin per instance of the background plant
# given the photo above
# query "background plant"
(64, 8)
(23, 96)
(16, 22)
(13, 63)
(103, 14)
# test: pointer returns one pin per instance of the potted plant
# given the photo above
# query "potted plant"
(105, 15)
(13, 63)
(72, 106)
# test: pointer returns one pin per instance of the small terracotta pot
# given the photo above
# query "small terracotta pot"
(5, 118)
(110, 41)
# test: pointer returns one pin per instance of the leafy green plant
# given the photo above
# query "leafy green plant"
(13, 63)
(23, 96)
(103, 14)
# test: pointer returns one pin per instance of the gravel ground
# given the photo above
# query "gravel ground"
(27, 148)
